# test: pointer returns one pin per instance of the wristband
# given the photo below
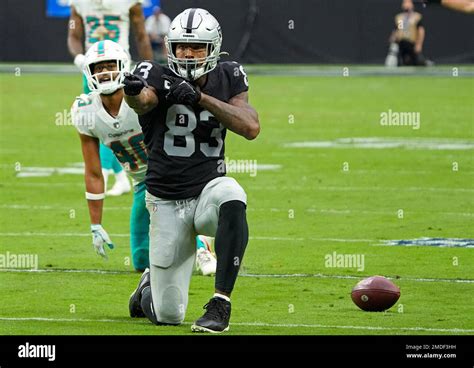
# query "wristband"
(94, 196)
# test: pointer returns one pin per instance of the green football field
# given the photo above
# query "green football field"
(333, 183)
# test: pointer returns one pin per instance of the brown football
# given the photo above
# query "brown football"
(375, 294)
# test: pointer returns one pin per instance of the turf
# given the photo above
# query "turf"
(298, 214)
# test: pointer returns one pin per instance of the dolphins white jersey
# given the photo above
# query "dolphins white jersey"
(105, 20)
(123, 133)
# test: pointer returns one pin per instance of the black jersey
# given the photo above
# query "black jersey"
(185, 144)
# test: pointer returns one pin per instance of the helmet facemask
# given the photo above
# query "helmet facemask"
(194, 26)
(105, 87)
(193, 69)
(109, 52)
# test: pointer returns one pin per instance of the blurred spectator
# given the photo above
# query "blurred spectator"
(157, 26)
(408, 35)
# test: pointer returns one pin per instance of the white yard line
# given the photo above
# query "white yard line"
(309, 210)
(243, 274)
(274, 238)
(322, 276)
(63, 270)
(42, 184)
(57, 208)
(373, 242)
(387, 143)
(27, 233)
(270, 187)
(312, 187)
(244, 324)
(45, 319)
(297, 325)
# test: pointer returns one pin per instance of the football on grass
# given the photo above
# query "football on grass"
(375, 294)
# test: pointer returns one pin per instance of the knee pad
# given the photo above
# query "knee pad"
(149, 310)
(172, 308)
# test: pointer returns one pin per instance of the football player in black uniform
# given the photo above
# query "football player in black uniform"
(185, 111)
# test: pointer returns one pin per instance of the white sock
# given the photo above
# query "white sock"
(105, 174)
(121, 177)
(217, 295)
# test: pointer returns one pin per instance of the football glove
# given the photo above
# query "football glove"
(99, 239)
(182, 91)
(133, 84)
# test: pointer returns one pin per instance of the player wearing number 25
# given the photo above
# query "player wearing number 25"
(185, 110)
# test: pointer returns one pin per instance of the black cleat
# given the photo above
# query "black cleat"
(134, 304)
(216, 318)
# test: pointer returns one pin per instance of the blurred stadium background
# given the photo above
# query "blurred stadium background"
(258, 31)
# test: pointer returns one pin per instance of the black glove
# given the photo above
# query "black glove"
(133, 84)
(182, 91)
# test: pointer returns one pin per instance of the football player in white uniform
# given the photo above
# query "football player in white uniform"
(103, 116)
(96, 20)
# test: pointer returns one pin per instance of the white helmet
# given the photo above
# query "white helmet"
(194, 25)
(104, 51)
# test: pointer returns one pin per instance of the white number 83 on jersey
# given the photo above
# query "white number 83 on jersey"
(179, 114)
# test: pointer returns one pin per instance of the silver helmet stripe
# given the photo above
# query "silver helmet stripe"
(189, 29)
(189, 25)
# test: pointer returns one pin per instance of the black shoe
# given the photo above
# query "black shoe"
(216, 318)
(134, 305)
